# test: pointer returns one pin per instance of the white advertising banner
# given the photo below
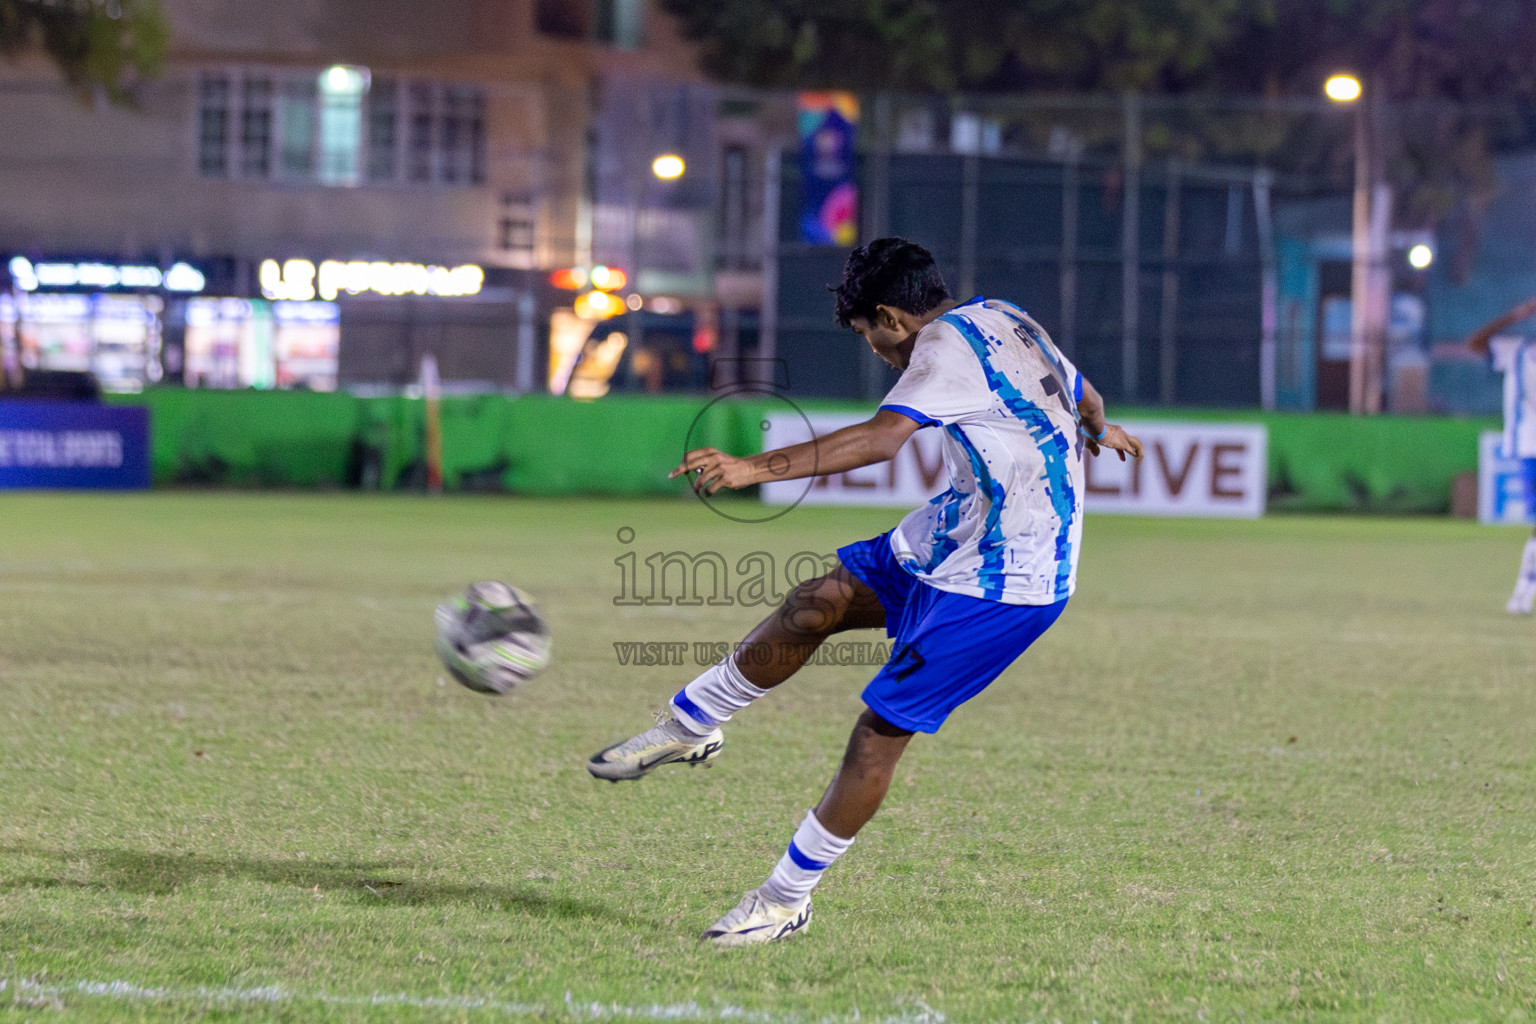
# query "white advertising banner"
(1209, 470)
(911, 478)
(1500, 495)
(1214, 470)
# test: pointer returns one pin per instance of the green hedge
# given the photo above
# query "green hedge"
(538, 444)
(541, 444)
(249, 438)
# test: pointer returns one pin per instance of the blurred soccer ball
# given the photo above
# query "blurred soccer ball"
(492, 638)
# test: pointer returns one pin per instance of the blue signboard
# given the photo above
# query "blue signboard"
(1500, 489)
(73, 444)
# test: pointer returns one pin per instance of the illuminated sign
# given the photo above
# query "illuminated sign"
(29, 276)
(301, 280)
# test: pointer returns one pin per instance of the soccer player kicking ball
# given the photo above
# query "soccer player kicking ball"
(1515, 358)
(963, 585)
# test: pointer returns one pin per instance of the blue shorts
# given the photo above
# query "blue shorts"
(949, 647)
(1528, 487)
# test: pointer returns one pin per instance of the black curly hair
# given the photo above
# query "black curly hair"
(888, 272)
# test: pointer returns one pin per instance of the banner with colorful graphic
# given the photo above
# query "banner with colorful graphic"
(829, 197)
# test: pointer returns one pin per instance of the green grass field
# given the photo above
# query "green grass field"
(1260, 771)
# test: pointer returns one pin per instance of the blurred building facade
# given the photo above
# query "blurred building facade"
(319, 194)
(1468, 271)
(300, 140)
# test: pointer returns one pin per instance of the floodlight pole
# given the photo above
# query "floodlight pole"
(1370, 285)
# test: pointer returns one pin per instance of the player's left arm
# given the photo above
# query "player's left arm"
(1483, 336)
(1099, 432)
(863, 444)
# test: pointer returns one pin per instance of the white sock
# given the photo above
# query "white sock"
(711, 699)
(810, 853)
(1526, 583)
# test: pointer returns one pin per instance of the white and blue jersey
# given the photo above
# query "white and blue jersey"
(1515, 358)
(1010, 525)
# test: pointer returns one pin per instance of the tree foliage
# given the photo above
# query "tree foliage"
(1452, 49)
(961, 44)
(98, 45)
(1456, 75)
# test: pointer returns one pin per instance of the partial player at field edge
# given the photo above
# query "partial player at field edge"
(1515, 358)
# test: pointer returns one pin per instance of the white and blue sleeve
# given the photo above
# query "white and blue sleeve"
(943, 383)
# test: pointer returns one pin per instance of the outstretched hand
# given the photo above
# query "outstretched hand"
(1118, 440)
(712, 469)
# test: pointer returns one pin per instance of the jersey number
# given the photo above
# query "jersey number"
(905, 661)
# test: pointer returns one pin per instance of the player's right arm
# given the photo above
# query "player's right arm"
(1099, 432)
(862, 444)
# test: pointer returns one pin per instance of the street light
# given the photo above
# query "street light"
(1342, 88)
(668, 166)
(1370, 284)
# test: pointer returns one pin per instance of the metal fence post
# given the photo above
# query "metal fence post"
(1130, 250)
(523, 383)
(768, 319)
(1071, 195)
(1168, 353)
(877, 224)
(970, 202)
(1269, 285)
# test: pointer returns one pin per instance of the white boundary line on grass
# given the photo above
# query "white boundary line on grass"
(915, 1012)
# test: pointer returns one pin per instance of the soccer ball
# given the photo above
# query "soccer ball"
(492, 638)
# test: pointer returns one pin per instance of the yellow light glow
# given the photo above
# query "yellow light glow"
(668, 166)
(597, 306)
(608, 279)
(1420, 257)
(1342, 88)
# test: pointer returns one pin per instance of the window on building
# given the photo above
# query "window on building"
(297, 126)
(621, 23)
(419, 163)
(568, 19)
(462, 144)
(256, 127)
(340, 127)
(213, 126)
(444, 134)
(383, 130)
(517, 230)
